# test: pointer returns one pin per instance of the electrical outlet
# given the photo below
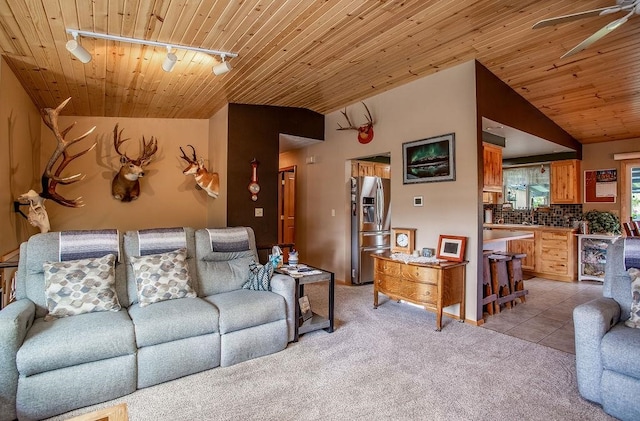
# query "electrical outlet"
(259, 212)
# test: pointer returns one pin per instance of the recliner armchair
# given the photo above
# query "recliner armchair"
(607, 351)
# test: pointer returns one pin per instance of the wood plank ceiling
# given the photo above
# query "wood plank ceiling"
(321, 55)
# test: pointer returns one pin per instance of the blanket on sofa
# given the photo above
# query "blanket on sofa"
(161, 240)
(88, 244)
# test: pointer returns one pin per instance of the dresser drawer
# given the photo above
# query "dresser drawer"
(387, 267)
(420, 274)
(411, 291)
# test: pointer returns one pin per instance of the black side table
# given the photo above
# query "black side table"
(316, 321)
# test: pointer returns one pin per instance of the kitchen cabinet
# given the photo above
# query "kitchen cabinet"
(492, 159)
(525, 246)
(565, 182)
(592, 255)
(367, 168)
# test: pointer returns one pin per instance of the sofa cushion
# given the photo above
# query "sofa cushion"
(75, 340)
(161, 277)
(223, 272)
(619, 350)
(634, 316)
(80, 286)
(168, 321)
(245, 308)
(259, 277)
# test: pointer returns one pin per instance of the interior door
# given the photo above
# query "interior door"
(287, 206)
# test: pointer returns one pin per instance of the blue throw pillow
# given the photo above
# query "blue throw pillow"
(259, 277)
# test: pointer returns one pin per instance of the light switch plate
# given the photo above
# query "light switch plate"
(259, 212)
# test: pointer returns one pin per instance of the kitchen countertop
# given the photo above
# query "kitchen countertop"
(521, 227)
(494, 236)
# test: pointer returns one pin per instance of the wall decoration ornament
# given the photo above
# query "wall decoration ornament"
(428, 160)
(254, 187)
(52, 175)
(126, 184)
(206, 180)
(365, 131)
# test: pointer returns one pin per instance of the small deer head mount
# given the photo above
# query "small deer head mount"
(208, 181)
(125, 185)
(52, 174)
(365, 131)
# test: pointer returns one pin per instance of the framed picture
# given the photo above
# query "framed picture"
(451, 247)
(429, 160)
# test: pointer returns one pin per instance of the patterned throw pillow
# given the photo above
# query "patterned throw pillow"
(161, 277)
(259, 277)
(634, 317)
(80, 286)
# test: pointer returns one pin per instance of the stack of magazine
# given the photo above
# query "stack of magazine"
(299, 271)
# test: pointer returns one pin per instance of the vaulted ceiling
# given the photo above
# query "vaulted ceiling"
(321, 55)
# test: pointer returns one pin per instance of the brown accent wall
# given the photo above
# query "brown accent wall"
(499, 102)
(254, 133)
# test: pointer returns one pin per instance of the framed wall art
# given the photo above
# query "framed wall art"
(451, 247)
(429, 160)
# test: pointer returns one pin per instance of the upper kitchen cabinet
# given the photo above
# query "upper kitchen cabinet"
(369, 168)
(492, 157)
(565, 182)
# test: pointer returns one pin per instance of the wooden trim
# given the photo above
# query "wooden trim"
(625, 187)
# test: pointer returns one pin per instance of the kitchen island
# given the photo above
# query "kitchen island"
(551, 253)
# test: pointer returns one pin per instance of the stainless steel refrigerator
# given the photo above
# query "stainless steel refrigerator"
(370, 224)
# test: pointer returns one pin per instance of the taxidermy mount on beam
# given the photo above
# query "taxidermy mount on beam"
(52, 176)
(126, 184)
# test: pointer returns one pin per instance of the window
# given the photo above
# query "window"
(526, 187)
(630, 190)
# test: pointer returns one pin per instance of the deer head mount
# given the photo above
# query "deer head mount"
(52, 175)
(208, 181)
(126, 184)
(365, 131)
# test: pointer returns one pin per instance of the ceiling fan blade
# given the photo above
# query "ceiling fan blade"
(596, 36)
(575, 16)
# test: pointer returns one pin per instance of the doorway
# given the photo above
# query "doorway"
(630, 190)
(287, 205)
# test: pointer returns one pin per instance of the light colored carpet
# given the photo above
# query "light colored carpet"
(387, 363)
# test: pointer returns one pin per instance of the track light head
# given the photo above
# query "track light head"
(74, 47)
(169, 61)
(222, 68)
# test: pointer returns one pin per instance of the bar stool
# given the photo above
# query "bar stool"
(516, 279)
(488, 297)
(500, 281)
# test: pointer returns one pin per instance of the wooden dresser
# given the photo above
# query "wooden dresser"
(433, 286)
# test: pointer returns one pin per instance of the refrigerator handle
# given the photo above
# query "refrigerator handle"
(379, 202)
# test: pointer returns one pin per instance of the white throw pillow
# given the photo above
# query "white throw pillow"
(161, 277)
(80, 286)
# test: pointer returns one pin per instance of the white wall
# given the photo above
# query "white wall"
(435, 105)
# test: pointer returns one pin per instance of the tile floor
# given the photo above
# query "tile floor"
(546, 317)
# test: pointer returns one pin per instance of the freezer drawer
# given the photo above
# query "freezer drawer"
(365, 269)
(375, 239)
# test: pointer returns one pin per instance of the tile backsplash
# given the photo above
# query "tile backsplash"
(554, 216)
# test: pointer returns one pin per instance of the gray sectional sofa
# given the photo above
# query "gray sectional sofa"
(607, 340)
(48, 367)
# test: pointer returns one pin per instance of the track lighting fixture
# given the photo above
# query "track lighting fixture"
(169, 61)
(167, 65)
(74, 47)
(222, 67)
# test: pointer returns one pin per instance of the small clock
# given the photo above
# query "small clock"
(403, 240)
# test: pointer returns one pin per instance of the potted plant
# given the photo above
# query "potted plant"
(602, 222)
